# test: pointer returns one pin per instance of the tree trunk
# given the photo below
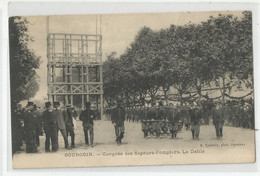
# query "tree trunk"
(165, 90)
(199, 90)
(224, 91)
(181, 99)
(134, 100)
(152, 100)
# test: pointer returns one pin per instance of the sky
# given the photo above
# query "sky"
(118, 31)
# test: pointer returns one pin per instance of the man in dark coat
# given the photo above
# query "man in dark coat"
(195, 114)
(172, 117)
(46, 115)
(61, 117)
(218, 120)
(186, 116)
(145, 120)
(159, 117)
(152, 117)
(30, 125)
(71, 113)
(87, 117)
(118, 118)
(39, 124)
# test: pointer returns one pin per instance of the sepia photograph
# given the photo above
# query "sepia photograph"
(132, 89)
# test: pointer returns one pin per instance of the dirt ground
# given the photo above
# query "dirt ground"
(237, 146)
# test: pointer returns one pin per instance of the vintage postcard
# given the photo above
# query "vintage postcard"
(132, 89)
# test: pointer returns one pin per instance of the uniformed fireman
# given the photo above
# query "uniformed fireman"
(159, 118)
(118, 118)
(87, 116)
(186, 117)
(145, 121)
(172, 121)
(218, 120)
(195, 114)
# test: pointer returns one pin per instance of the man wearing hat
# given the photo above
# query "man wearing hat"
(159, 117)
(30, 126)
(48, 128)
(71, 113)
(195, 114)
(145, 122)
(87, 117)
(118, 118)
(61, 117)
(218, 120)
(172, 116)
(39, 124)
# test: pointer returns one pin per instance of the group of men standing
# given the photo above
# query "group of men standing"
(55, 119)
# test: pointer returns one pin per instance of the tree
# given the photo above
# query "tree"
(229, 49)
(244, 52)
(200, 64)
(147, 61)
(23, 61)
(181, 39)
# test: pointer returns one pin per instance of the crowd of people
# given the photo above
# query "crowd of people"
(30, 123)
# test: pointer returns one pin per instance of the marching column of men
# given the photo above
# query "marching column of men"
(164, 119)
(167, 119)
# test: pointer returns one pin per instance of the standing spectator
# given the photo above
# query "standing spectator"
(71, 113)
(39, 124)
(61, 117)
(30, 125)
(46, 115)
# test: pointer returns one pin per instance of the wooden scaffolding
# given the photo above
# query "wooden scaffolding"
(75, 68)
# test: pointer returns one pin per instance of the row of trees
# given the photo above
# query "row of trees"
(23, 61)
(217, 52)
